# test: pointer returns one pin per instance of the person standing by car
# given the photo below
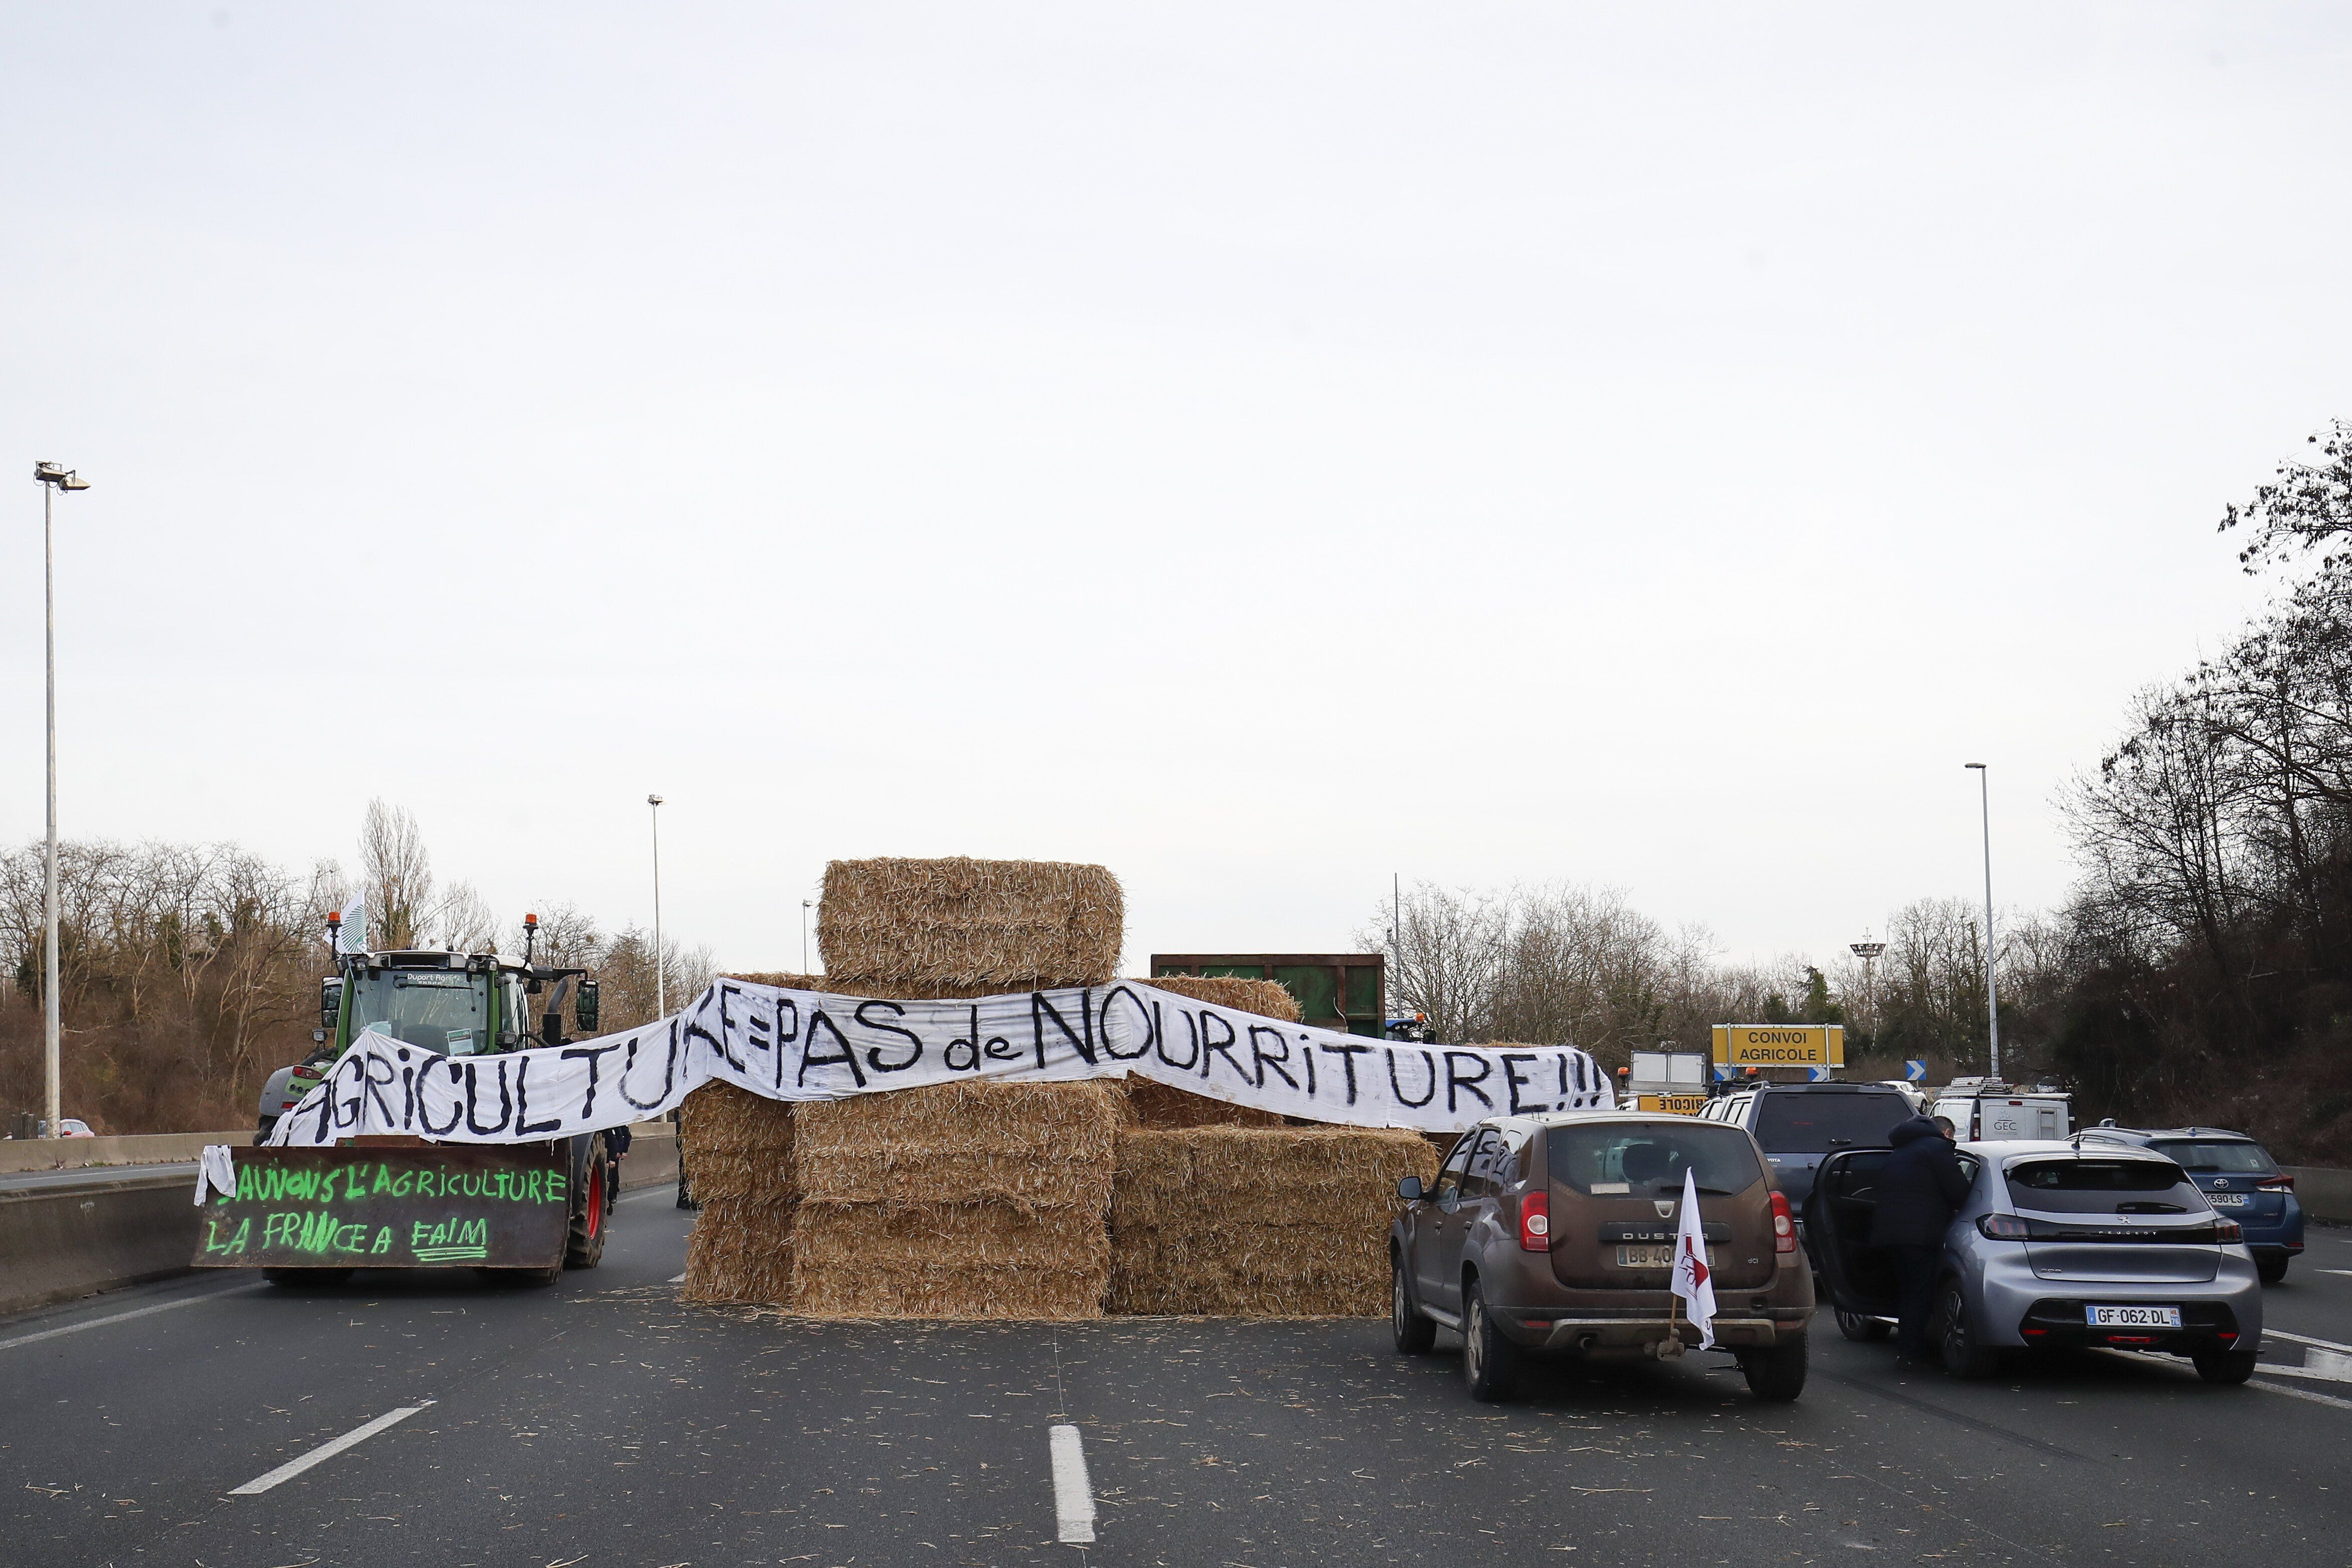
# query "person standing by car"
(1920, 1187)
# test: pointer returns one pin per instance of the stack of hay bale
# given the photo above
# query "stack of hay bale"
(988, 1199)
(1257, 1222)
(1150, 1104)
(970, 1200)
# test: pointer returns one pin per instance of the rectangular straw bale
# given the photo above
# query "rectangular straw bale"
(1268, 998)
(962, 1200)
(962, 927)
(950, 1260)
(738, 1152)
(1289, 1222)
(1150, 1104)
(1164, 1105)
(1031, 1145)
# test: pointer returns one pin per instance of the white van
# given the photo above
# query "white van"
(1983, 1111)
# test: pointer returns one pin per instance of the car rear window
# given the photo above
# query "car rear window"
(1617, 1159)
(2217, 1156)
(2103, 1187)
(1816, 1124)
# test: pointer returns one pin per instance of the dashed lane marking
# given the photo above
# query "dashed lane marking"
(1074, 1500)
(2306, 1339)
(324, 1451)
(122, 1317)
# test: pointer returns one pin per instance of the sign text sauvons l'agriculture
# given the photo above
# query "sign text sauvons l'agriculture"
(344, 1207)
(1780, 1044)
(814, 1045)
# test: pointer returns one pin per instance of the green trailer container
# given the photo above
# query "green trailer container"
(1342, 991)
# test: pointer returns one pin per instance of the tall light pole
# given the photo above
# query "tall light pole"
(1868, 952)
(52, 477)
(661, 962)
(1992, 1002)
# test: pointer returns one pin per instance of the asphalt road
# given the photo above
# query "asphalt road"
(602, 1423)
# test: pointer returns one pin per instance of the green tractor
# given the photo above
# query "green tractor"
(377, 1202)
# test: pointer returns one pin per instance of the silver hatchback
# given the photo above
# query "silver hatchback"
(2056, 1247)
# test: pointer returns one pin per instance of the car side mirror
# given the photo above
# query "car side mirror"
(1408, 1189)
(583, 1008)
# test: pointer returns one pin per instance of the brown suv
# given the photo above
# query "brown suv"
(1556, 1233)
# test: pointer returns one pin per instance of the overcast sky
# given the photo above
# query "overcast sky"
(1258, 448)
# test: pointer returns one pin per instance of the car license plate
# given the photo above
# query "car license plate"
(2133, 1317)
(1659, 1257)
(2227, 1199)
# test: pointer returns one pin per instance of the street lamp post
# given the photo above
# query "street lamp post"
(661, 980)
(1992, 1002)
(52, 477)
(1868, 952)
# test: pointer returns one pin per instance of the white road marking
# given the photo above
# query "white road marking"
(677, 1279)
(324, 1451)
(2335, 1270)
(122, 1317)
(2306, 1339)
(2300, 1392)
(1074, 1500)
(669, 1191)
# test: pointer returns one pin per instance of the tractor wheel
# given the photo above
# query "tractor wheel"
(591, 1205)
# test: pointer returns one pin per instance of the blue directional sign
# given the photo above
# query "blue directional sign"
(1915, 1071)
(1817, 1075)
(1723, 1072)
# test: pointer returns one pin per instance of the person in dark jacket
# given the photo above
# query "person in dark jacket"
(1920, 1188)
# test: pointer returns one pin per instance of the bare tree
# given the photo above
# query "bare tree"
(398, 873)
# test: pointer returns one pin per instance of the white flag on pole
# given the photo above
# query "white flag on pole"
(1693, 1282)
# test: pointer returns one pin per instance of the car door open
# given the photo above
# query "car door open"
(1838, 1213)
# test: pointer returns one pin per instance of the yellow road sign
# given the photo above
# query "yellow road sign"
(1780, 1044)
(1671, 1105)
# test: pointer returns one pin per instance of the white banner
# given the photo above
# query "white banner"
(814, 1045)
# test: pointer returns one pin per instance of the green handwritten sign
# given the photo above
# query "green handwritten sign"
(502, 1208)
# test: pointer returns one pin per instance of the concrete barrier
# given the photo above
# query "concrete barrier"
(120, 1227)
(18, 1155)
(60, 1242)
(2326, 1194)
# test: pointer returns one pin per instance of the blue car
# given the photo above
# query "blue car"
(2237, 1177)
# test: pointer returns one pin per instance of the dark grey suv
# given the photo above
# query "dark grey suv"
(1557, 1233)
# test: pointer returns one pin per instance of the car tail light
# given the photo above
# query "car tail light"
(2003, 1227)
(1535, 1222)
(2279, 1183)
(1784, 1228)
(2226, 1231)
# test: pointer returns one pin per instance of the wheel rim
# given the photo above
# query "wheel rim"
(1956, 1326)
(595, 1201)
(1397, 1308)
(1474, 1326)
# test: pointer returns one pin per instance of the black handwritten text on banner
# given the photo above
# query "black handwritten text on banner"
(813, 1045)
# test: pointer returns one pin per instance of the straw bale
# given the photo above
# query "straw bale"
(1155, 1104)
(1289, 1222)
(777, 977)
(988, 1260)
(1267, 998)
(961, 927)
(1030, 1145)
(737, 1147)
